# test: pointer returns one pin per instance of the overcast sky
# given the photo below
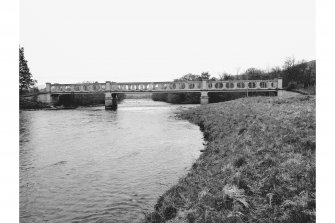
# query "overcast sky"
(68, 41)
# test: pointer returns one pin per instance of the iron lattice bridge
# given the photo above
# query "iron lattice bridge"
(111, 89)
(167, 87)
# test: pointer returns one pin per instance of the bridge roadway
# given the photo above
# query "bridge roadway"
(112, 88)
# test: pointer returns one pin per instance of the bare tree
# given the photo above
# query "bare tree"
(289, 62)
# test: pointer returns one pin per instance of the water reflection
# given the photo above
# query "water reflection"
(90, 164)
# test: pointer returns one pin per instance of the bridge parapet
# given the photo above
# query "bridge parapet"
(182, 86)
(110, 89)
(242, 85)
(157, 86)
(66, 88)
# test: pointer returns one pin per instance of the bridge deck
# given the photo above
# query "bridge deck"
(167, 87)
(157, 91)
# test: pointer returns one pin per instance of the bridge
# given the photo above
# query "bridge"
(111, 89)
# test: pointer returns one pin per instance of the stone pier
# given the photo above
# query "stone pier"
(110, 99)
(204, 98)
(280, 91)
(114, 102)
(48, 95)
(204, 93)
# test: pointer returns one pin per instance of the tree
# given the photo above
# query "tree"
(289, 63)
(26, 80)
(188, 77)
(254, 74)
(205, 76)
(225, 77)
(195, 77)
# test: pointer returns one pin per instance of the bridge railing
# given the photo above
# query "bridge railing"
(157, 86)
(167, 86)
(242, 84)
(94, 87)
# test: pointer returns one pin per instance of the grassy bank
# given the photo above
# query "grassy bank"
(258, 165)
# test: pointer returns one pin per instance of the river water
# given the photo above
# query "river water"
(93, 165)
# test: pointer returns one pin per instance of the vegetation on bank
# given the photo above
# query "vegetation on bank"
(297, 76)
(258, 165)
(68, 101)
(31, 104)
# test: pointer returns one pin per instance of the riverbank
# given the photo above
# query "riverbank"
(26, 104)
(66, 101)
(258, 165)
(31, 105)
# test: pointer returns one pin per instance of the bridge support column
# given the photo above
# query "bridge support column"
(110, 101)
(110, 98)
(280, 91)
(204, 93)
(114, 101)
(48, 95)
(204, 98)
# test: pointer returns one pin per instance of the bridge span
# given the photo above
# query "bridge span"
(110, 89)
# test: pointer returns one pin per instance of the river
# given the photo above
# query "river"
(93, 165)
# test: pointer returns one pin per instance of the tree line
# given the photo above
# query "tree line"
(296, 75)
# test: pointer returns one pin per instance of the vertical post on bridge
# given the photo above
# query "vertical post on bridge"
(204, 93)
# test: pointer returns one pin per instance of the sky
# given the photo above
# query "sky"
(70, 41)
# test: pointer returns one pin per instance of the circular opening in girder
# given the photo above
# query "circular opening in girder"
(240, 85)
(229, 85)
(263, 84)
(218, 85)
(252, 85)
